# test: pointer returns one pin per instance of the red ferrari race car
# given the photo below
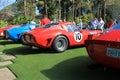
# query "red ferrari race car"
(2, 36)
(105, 49)
(59, 36)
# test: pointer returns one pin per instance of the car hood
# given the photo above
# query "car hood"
(18, 29)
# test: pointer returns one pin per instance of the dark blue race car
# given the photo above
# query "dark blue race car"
(16, 33)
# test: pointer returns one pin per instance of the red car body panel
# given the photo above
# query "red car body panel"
(42, 37)
(5, 28)
(105, 49)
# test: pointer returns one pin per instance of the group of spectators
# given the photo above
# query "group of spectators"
(92, 25)
(100, 23)
(45, 21)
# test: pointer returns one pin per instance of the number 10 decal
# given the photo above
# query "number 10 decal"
(77, 36)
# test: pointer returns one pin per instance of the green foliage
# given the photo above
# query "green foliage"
(86, 18)
(21, 19)
(69, 16)
(77, 20)
(53, 11)
(0, 59)
(3, 23)
(25, 7)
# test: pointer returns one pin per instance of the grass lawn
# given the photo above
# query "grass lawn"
(0, 59)
(34, 64)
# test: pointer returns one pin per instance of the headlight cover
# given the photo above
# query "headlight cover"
(2, 34)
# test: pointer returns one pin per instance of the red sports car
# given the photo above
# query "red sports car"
(59, 36)
(105, 49)
(2, 36)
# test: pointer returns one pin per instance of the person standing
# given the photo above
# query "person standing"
(45, 20)
(33, 21)
(39, 22)
(80, 24)
(118, 19)
(64, 20)
(54, 21)
(94, 24)
(101, 24)
(110, 23)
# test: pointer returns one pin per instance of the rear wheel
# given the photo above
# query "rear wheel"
(60, 44)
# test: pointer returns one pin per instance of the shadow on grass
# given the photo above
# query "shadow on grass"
(77, 69)
(6, 42)
(25, 50)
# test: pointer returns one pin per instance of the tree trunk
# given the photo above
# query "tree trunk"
(45, 4)
(73, 10)
(25, 7)
(59, 9)
(104, 11)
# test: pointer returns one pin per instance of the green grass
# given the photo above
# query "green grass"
(1, 59)
(34, 64)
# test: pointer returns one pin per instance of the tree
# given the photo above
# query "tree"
(7, 12)
(26, 7)
(45, 5)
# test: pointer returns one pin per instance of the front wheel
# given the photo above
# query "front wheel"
(60, 44)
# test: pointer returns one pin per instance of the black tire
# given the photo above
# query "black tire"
(60, 44)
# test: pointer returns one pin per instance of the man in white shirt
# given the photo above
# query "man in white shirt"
(101, 24)
(32, 22)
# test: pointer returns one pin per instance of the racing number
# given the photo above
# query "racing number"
(77, 36)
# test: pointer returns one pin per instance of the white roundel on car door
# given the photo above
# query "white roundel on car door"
(77, 36)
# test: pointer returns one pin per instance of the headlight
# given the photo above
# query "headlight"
(1, 34)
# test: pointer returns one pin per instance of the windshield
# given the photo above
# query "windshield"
(116, 27)
(71, 28)
(50, 25)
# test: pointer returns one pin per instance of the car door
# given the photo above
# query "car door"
(74, 35)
